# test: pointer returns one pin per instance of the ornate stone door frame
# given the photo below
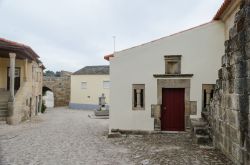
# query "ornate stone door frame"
(176, 83)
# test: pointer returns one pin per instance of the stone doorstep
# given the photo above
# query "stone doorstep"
(3, 120)
(198, 123)
(3, 106)
(101, 113)
(114, 135)
(201, 130)
(3, 113)
(98, 117)
(201, 139)
(140, 132)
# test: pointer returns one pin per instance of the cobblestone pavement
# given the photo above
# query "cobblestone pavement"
(68, 137)
(170, 149)
(60, 137)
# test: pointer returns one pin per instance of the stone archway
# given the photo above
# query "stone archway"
(60, 86)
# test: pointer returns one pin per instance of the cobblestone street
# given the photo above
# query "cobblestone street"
(67, 137)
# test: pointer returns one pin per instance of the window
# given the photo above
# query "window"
(173, 64)
(106, 84)
(207, 95)
(83, 85)
(138, 94)
(37, 76)
(16, 72)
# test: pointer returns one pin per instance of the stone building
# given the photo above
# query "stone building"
(20, 82)
(228, 116)
(87, 85)
(60, 86)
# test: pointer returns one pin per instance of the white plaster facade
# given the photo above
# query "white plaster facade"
(201, 49)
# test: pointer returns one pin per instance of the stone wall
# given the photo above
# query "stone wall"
(60, 86)
(229, 111)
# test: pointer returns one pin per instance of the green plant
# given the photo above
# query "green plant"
(43, 107)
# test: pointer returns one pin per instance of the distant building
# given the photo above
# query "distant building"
(21, 74)
(87, 85)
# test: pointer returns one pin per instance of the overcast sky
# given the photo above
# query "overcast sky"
(70, 34)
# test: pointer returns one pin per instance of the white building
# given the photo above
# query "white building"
(159, 84)
(87, 85)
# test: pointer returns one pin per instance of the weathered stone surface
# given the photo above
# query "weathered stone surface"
(60, 86)
(227, 46)
(220, 75)
(225, 86)
(239, 86)
(229, 120)
(193, 107)
(240, 69)
(224, 60)
(236, 57)
(247, 50)
(225, 73)
(247, 35)
(232, 33)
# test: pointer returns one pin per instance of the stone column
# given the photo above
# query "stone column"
(12, 75)
(208, 99)
(138, 98)
(11, 119)
(26, 70)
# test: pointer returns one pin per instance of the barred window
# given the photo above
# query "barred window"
(138, 95)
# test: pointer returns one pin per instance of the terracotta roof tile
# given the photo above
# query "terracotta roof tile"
(93, 70)
(222, 9)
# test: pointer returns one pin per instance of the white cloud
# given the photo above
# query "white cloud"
(71, 34)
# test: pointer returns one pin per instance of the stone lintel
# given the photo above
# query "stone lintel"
(173, 75)
(172, 56)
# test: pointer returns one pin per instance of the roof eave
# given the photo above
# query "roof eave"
(107, 57)
(222, 9)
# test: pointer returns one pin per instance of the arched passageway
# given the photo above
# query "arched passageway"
(48, 97)
(60, 86)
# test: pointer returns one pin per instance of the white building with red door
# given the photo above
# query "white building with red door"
(159, 84)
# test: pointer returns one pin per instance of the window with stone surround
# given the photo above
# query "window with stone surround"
(207, 95)
(173, 64)
(138, 96)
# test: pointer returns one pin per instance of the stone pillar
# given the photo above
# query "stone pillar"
(138, 98)
(26, 70)
(12, 76)
(11, 115)
(208, 99)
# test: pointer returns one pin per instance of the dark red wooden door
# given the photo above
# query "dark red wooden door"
(173, 109)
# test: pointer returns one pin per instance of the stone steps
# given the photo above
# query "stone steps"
(200, 133)
(101, 113)
(4, 96)
(3, 108)
(202, 139)
(200, 130)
